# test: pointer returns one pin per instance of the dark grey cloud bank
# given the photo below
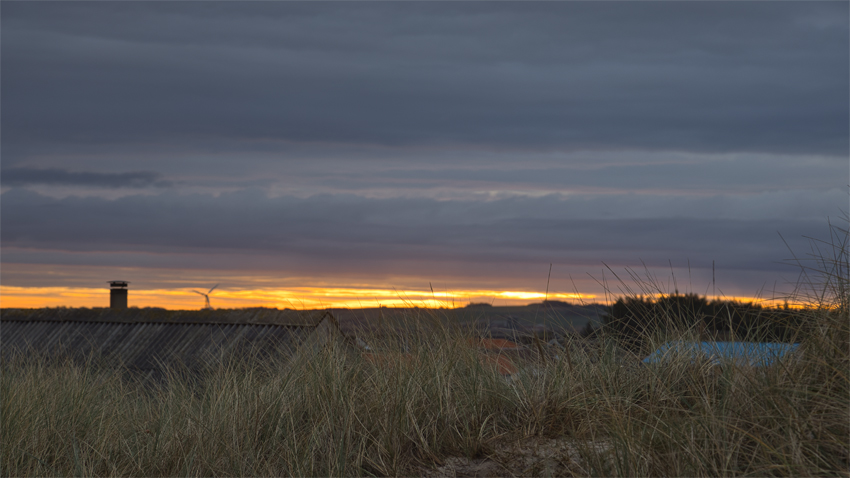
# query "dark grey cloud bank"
(474, 138)
(353, 231)
(728, 76)
(56, 176)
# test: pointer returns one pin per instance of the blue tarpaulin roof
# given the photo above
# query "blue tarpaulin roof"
(744, 353)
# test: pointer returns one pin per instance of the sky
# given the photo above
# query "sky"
(359, 153)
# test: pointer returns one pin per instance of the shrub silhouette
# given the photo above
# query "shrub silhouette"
(633, 320)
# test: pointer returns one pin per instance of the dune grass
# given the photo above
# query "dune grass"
(338, 414)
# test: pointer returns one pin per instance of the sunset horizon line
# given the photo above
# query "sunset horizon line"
(311, 298)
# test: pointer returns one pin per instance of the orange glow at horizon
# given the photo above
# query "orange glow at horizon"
(293, 298)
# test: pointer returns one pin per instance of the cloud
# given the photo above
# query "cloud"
(472, 137)
(356, 233)
(54, 176)
(719, 77)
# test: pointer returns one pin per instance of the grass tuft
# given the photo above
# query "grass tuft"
(423, 396)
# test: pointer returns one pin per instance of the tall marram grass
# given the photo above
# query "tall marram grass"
(431, 396)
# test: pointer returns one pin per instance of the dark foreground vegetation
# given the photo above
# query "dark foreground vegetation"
(434, 407)
(636, 321)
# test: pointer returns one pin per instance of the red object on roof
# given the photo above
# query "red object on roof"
(500, 363)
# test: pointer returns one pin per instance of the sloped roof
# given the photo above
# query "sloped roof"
(259, 315)
(494, 344)
(143, 339)
(743, 353)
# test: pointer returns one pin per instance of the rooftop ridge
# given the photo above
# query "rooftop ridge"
(256, 316)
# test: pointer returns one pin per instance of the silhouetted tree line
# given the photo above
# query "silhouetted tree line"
(635, 319)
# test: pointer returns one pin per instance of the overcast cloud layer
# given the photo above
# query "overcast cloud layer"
(450, 139)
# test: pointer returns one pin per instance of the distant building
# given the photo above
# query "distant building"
(118, 294)
(148, 341)
(755, 354)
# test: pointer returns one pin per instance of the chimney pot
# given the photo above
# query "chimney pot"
(118, 294)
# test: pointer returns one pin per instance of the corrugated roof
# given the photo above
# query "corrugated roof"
(142, 339)
(156, 315)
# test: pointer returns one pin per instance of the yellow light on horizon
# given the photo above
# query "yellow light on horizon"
(293, 298)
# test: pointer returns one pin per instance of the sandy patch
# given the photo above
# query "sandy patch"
(527, 457)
